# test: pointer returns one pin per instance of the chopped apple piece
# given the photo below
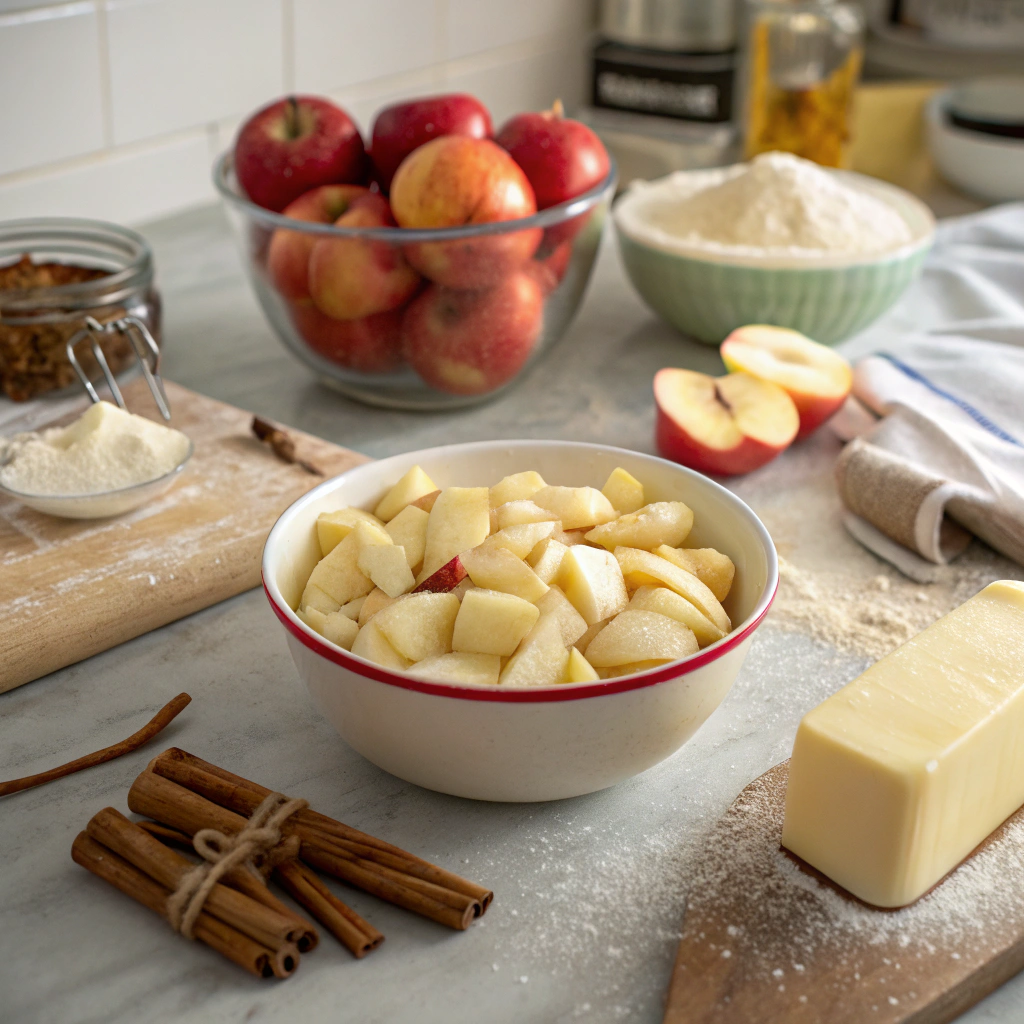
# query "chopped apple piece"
(570, 538)
(592, 580)
(409, 529)
(448, 577)
(711, 567)
(374, 602)
(371, 643)
(515, 487)
(576, 506)
(387, 567)
(499, 569)
(426, 503)
(314, 597)
(572, 624)
(644, 568)
(632, 669)
(624, 491)
(579, 670)
(664, 522)
(490, 622)
(546, 559)
(521, 539)
(459, 667)
(640, 636)
(340, 630)
(668, 602)
(312, 618)
(420, 626)
(584, 641)
(333, 527)
(353, 608)
(459, 520)
(413, 485)
(338, 574)
(540, 660)
(515, 513)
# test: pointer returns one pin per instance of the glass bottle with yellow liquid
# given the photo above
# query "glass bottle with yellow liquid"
(802, 60)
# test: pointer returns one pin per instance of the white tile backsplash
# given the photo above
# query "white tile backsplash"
(179, 63)
(50, 78)
(122, 104)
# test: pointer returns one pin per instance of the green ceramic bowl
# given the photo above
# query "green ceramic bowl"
(828, 298)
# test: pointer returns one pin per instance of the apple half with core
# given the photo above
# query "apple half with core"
(722, 425)
(814, 376)
(295, 144)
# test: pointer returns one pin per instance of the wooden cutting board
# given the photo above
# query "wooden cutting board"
(766, 939)
(71, 588)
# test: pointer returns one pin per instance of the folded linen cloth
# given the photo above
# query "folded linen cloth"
(936, 448)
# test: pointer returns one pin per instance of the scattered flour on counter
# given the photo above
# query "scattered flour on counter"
(105, 449)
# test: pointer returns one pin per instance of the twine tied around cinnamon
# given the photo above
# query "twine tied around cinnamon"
(258, 847)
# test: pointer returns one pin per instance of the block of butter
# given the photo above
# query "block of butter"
(897, 777)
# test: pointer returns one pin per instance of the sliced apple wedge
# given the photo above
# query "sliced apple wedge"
(572, 624)
(516, 487)
(663, 522)
(546, 559)
(584, 641)
(333, 527)
(499, 569)
(376, 600)
(540, 660)
(816, 377)
(522, 539)
(515, 513)
(579, 670)
(490, 622)
(576, 506)
(353, 608)
(312, 618)
(624, 491)
(420, 626)
(409, 529)
(668, 602)
(447, 578)
(459, 520)
(388, 568)
(371, 643)
(313, 597)
(715, 570)
(634, 636)
(459, 667)
(724, 425)
(591, 579)
(644, 568)
(414, 484)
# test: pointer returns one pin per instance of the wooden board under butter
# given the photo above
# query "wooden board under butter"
(766, 939)
(72, 588)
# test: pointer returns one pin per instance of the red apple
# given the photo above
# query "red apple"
(815, 377)
(471, 342)
(722, 425)
(296, 144)
(562, 158)
(402, 127)
(550, 266)
(350, 278)
(288, 256)
(457, 181)
(447, 578)
(370, 345)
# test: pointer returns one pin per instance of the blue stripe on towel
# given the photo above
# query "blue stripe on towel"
(976, 414)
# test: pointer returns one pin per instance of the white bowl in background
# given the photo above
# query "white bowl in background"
(544, 743)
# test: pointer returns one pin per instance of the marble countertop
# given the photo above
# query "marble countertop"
(589, 892)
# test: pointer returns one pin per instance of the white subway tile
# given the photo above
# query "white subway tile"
(473, 25)
(129, 186)
(52, 109)
(179, 63)
(341, 42)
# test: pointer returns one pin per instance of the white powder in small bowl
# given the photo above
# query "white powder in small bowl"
(105, 449)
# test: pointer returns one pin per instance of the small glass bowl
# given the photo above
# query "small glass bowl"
(447, 345)
(104, 504)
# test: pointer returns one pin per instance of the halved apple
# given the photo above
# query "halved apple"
(723, 425)
(817, 378)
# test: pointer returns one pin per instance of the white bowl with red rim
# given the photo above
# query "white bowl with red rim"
(525, 744)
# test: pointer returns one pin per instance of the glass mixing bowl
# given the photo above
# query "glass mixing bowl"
(510, 290)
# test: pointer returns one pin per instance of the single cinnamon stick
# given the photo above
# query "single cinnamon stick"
(243, 796)
(358, 936)
(282, 444)
(228, 941)
(163, 865)
(156, 724)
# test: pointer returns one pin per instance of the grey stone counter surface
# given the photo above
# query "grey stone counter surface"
(589, 892)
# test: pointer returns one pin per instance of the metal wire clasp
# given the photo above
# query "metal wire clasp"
(146, 351)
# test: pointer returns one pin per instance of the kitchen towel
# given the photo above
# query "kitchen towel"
(936, 431)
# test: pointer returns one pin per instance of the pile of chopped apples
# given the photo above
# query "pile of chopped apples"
(519, 584)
